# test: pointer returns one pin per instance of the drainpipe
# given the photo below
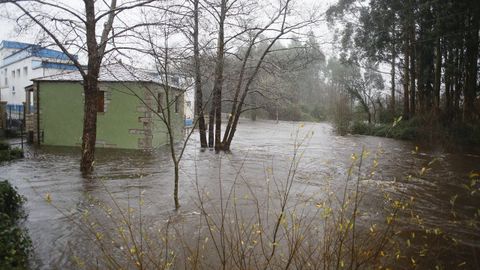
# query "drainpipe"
(38, 113)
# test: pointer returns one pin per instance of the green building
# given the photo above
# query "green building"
(130, 106)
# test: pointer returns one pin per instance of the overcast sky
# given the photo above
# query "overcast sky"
(323, 33)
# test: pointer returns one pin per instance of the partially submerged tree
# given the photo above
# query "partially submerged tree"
(248, 32)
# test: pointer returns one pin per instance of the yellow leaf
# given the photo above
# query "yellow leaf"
(48, 198)
(474, 175)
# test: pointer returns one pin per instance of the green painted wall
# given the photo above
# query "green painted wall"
(160, 131)
(61, 115)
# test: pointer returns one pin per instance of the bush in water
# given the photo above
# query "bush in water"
(15, 244)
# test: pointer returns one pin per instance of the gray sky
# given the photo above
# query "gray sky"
(323, 33)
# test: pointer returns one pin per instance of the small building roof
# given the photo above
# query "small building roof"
(7, 44)
(113, 73)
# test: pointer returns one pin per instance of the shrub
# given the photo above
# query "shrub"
(359, 127)
(16, 153)
(7, 154)
(15, 244)
(4, 146)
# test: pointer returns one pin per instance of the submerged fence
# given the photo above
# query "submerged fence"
(15, 117)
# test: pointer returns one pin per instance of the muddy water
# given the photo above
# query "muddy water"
(258, 146)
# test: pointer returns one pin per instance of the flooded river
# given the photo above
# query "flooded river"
(258, 147)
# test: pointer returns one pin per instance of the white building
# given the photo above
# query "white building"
(21, 62)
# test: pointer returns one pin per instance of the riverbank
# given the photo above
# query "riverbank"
(456, 136)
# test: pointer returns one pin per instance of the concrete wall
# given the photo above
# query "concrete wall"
(126, 123)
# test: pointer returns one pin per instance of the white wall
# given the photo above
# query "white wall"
(14, 91)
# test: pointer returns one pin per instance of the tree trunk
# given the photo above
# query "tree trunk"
(198, 80)
(448, 82)
(90, 92)
(218, 85)
(175, 189)
(421, 76)
(211, 124)
(412, 70)
(471, 59)
(438, 69)
(89, 125)
(394, 56)
(406, 80)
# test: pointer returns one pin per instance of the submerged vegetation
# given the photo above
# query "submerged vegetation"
(15, 244)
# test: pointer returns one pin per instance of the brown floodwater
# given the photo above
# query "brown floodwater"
(258, 147)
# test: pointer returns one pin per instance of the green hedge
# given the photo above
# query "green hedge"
(15, 244)
(460, 134)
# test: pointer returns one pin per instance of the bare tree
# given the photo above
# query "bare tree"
(275, 29)
(198, 76)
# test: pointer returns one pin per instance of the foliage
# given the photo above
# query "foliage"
(15, 244)
(429, 130)
(404, 130)
(342, 115)
(4, 146)
(466, 134)
(425, 44)
(8, 154)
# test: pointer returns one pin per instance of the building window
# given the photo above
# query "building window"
(13, 74)
(13, 90)
(159, 102)
(25, 71)
(177, 103)
(18, 73)
(101, 101)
